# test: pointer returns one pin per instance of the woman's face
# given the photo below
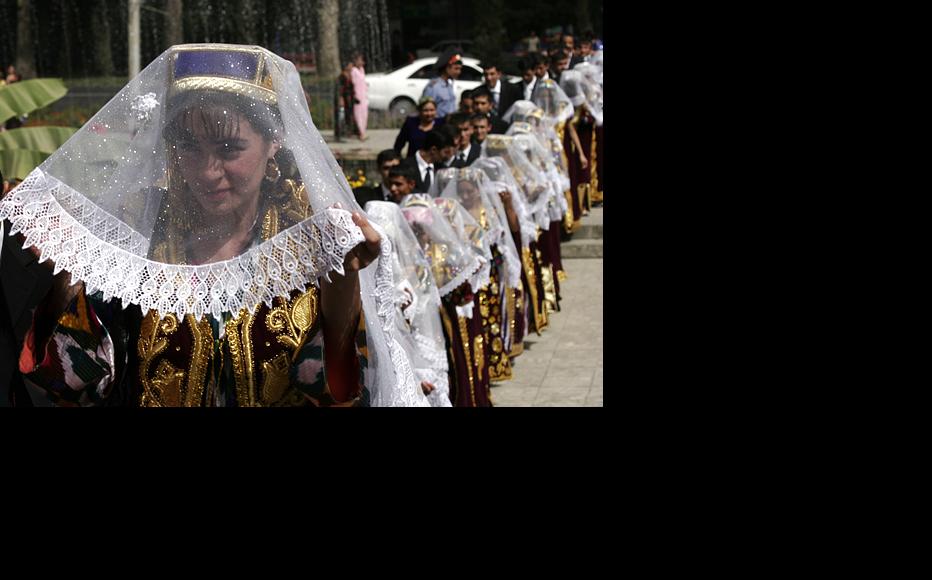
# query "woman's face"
(224, 172)
(469, 194)
(428, 113)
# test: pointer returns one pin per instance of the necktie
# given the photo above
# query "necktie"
(427, 179)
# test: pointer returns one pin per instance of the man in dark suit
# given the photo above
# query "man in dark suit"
(466, 149)
(482, 101)
(23, 285)
(528, 67)
(559, 62)
(425, 160)
(386, 160)
(503, 94)
(448, 151)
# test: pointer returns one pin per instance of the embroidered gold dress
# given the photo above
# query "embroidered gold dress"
(100, 354)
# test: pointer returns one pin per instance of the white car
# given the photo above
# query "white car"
(400, 90)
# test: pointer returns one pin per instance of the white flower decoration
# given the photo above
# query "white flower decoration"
(143, 105)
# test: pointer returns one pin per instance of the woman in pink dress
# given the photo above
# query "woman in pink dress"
(361, 107)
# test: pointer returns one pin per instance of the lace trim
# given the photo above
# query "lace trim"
(463, 276)
(108, 256)
(430, 351)
(407, 390)
(440, 397)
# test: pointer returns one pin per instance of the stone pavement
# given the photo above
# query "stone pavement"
(353, 148)
(563, 366)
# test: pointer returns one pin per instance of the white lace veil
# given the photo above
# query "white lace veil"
(502, 180)
(554, 103)
(140, 203)
(550, 147)
(533, 181)
(417, 301)
(519, 111)
(473, 189)
(583, 88)
(454, 260)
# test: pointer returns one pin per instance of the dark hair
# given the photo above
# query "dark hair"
(386, 155)
(480, 116)
(482, 91)
(457, 119)
(405, 171)
(210, 109)
(491, 64)
(438, 138)
(450, 133)
(467, 94)
(532, 60)
(558, 55)
(525, 64)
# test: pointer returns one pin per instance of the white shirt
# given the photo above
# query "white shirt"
(465, 152)
(422, 167)
(496, 92)
(529, 89)
(387, 193)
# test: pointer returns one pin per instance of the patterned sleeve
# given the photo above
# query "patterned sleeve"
(307, 372)
(77, 366)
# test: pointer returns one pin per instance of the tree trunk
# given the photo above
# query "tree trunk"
(175, 25)
(25, 51)
(583, 18)
(328, 13)
(103, 59)
(489, 33)
(133, 37)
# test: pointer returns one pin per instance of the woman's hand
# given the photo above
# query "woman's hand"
(427, 387)
(582, 160)
(365, 251)
(506, 198)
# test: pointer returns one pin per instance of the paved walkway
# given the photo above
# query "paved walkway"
(352, 148)
(563, 366)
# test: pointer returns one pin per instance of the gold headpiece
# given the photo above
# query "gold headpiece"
(234, 69)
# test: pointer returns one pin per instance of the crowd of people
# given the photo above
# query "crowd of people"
(236, 268)
(488, 187)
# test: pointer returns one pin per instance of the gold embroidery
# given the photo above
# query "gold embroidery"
(511, 305)
(166, 386)
(275, 378)
(464, 336)
(202, 349)
(540, 320)
(484, 303)
(270, 223)
(569, 221)
(479, 353)
(550, 292)
(237, 358)
(595, 188)
(293, 319)
(153, 340)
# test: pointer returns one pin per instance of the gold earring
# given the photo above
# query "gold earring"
(272, 172)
